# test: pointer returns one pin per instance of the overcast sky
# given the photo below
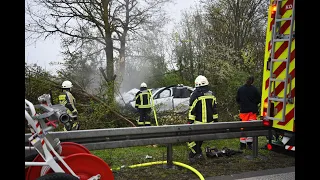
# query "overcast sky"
(44, 52)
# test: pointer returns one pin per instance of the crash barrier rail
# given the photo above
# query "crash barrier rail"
(97, 139)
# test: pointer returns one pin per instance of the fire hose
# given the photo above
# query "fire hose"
(164, 162)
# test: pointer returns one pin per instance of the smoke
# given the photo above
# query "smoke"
(142, 59)
(96, 81)
(137, 71)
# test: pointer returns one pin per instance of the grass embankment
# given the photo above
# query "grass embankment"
(125, 157)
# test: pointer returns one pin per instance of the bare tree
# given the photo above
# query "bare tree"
(83, 66)
(132, 16)
(79, 22)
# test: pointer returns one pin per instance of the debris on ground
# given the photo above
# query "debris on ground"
(214, 152)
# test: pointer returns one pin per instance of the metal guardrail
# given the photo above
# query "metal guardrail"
(96, 139)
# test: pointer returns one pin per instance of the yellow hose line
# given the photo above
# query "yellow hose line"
(153, 109)
(164, 162)
(190, 168)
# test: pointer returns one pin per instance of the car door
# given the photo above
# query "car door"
(181, 97)
(163, 100)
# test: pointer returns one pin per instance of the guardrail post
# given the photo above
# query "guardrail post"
(169, 156)
(255, 147)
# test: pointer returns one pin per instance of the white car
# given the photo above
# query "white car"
(171, 98)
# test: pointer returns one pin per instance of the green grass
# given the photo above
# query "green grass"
(125, 157)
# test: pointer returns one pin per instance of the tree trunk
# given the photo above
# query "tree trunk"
(122, 53)
(109, 54)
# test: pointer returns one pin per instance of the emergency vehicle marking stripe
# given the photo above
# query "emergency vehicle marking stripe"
(283, 64)
(271, 23)
(283, 8)
(280, 87)
(284, 27)
(279, 106)
(281, 49)
(290, 147)
(280, 52)
(289, 116)
(281, 68)
(269, 46)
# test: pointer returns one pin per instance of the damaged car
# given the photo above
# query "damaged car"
(174, 98)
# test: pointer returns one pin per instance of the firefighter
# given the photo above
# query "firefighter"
(67, 99)
(248, 97)
(203, 109)
(143, 105)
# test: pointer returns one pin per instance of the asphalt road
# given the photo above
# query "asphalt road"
(274, 174)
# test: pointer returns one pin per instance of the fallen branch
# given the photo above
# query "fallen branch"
(104, 104)
(83, 92)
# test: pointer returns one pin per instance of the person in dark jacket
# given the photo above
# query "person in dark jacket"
(248, 97)
(203, 109)
(143, 104)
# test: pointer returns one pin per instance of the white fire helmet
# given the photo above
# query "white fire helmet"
(201, 81)
(143, 85)
(66, 84)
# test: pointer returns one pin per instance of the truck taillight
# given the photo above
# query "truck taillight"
(267, 123)
(269, 146)
(273, 11)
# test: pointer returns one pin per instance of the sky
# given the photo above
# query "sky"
(45, 51)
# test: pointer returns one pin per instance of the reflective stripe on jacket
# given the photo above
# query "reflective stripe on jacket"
(203, 107)
(143, 99)
(68, 101)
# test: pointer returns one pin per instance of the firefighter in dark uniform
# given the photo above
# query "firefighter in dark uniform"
(143, 104)
(203, 109)
(67, 99)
